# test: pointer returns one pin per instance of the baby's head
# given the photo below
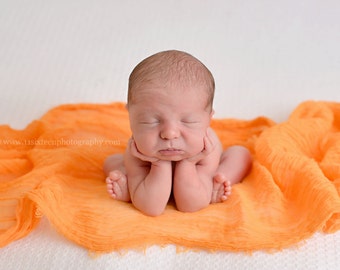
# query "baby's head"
(175, 68)
(170, 100)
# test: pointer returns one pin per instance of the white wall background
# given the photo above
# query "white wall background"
(266, 56)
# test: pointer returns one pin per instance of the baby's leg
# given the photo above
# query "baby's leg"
(116, 181)
(234, 165)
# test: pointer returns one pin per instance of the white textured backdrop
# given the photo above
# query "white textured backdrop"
(266, 56)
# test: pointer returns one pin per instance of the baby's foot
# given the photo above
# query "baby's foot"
(221, 188)
(116, 184)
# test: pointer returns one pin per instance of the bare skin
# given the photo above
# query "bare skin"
(194, 178)
(173, 148)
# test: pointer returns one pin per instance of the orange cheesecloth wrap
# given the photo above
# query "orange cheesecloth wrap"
(53, 168)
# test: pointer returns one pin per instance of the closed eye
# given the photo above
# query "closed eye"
(151, 122)
(190, 122)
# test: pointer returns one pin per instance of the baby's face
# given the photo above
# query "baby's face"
(169, 124)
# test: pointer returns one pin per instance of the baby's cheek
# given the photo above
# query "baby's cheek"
(139, 143)
(197, 144)
(144, 145)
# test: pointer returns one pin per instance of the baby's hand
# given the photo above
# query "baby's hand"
(208, 148)
(134, 151)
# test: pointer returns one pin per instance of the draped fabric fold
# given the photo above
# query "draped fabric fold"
(53, 168)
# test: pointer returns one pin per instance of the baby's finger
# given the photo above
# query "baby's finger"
(133, 148)
(209, 141)
(135, 152)
(208, 145)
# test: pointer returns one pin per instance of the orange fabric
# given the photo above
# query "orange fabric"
(53, 168)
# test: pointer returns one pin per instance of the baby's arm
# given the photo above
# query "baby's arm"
(193, 176)
(149, 181)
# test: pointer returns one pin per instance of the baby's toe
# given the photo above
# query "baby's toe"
(224, 198)
(108, 180)
(109, 188)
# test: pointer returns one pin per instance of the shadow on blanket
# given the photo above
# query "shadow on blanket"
(54, 168)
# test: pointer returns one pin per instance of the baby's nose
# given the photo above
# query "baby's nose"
(169, 132)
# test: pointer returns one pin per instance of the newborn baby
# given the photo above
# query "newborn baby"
(172, 149)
